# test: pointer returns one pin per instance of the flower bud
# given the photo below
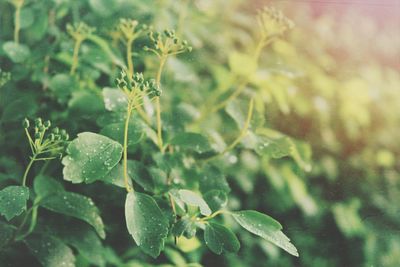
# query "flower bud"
(25, 123)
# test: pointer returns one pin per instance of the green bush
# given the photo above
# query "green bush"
(141, 145)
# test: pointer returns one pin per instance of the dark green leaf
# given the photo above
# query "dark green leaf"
(191, 141)
(13, 201)
(266, 227)
(146, 223)
(6, 233)
(45, 186)
(50, 251)
(75, 205)
(216, 199)
(90, 157)
(220, 239)
(213, 179)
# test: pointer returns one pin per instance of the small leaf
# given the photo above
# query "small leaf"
(90, 157)
(50, 252)
(242, 64)
(146, 223)
(16, 52)
(216, 199)
(13, 201)
(115, 99)
(220, 239)
(191, 141)
(193, 199)
(274, 147)
(185, 226)
(266, 227)
(75, 205)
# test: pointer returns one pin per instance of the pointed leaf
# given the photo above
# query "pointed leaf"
(76, 205)
(90, 157)
(146, 223)
(13, 201)
(193, 199)
(220, 239)
(266, 227)
(50, 252)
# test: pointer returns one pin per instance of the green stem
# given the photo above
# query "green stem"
(125, 159)
(17, 20)
(129, 59)
(27, 170)
(158, 106)
(242, 133)
(74, 65)
(204, 219)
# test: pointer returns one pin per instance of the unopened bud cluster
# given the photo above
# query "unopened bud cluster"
(129, 29)
(273, 22)
(137, 83)
(45, 139)
(79, 31)
(166, 43)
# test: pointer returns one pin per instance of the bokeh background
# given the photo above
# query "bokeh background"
(332, 81)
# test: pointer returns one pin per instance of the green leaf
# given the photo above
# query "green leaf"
(220, 239)
(242, 64)
(13, 201)
(75, 205)
(146, 223)
(6, 233)
(266, 227)
(116, 132)
(62, 85)
(213, 179)
(185, 226)
(216, 199)
(26, 18)
(301, 153)
(45, 186)
(193, 199)
(16, 52)
(191, 141)
(274, 147)
(50, 252)
(90, 157)
(115, 100)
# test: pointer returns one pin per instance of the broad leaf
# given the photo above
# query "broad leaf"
(116, 132)
(216, 199)
(266, 227)
(45, 186)
(75, 205)
(220, 239)
(90, 157)
(13, 201)
(16, 52)
(213, 179)
(146, 223)
(50, 252)
(115, 99)
(191, 141)
(193, 199)
(6, 233)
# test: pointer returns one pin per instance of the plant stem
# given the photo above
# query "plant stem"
(158, 106)
(17, 21)
(125, 159)
(27, 169)
(242, 133)
(129, 59)
(77, 46)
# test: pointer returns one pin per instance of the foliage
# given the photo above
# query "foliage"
(179, 136)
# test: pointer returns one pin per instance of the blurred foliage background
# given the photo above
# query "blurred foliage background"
(332, 81)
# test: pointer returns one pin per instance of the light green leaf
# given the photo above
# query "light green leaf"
(193, 199)
(75, 205)
(191, 141)
(301, 153)
(116, 132)
(242, 64)
(266, 227)
(220, 239)
(90, 157)
(146, 223)
(274, 147)
(13, 201)
(115, 99)
(50, 252)
(16, 52)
